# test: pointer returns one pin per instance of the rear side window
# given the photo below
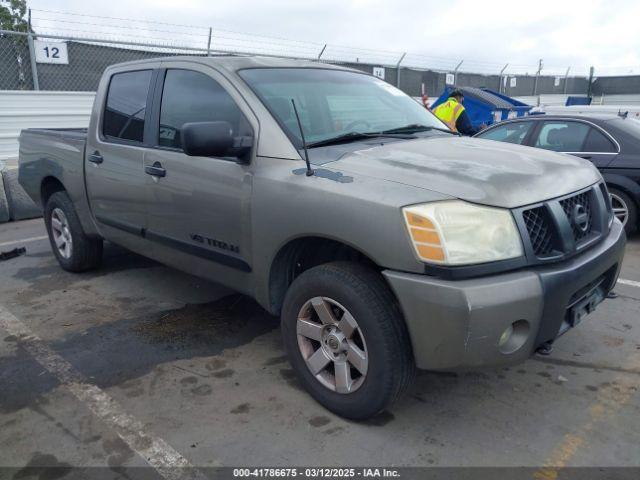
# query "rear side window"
(597, 142)
(510, 132)
(562, 136)
(126, 104)
(190, 96)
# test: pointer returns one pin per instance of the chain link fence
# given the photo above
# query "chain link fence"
(15, 63)
(46, 61)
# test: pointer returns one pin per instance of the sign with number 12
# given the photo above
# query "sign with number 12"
(51, 52)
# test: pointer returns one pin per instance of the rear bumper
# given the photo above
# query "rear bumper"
(458, 324)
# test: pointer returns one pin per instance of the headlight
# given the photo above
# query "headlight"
(460, 233)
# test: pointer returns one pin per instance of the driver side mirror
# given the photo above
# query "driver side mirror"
(213, 139)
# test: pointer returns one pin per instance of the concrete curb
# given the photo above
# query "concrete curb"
(19, 205)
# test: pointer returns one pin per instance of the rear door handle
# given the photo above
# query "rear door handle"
(155, 170)
(95, 157)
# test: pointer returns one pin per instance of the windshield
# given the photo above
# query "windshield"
(333, 103)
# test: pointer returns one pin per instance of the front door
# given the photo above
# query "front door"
(199, 207)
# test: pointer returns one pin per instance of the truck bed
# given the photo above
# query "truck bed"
(57, 153)
(70, 133)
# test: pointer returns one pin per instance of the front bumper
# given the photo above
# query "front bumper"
(458, 324)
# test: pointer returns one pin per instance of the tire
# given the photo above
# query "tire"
(381, 334)
(79, 254)
(623, 199)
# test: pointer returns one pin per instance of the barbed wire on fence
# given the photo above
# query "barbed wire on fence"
(73, 24)
(94, 42)
(222, 39)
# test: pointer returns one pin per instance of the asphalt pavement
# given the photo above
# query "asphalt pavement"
(139, 364)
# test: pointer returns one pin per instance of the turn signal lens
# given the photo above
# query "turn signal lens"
(460, 233)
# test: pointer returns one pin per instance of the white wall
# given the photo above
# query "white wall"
(31, 109)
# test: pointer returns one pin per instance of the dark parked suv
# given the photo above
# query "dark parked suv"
(611, 142)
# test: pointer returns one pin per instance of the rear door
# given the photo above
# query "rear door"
(577, 138)
(199, 211)
(115, 149)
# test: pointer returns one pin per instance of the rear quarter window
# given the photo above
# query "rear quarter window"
(598, 142)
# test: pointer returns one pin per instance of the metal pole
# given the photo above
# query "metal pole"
(501, 72)
(398, 69)
(566, 76)
(455, 72)
(322, 51)
(591, 70)
(209, 42)
(32, 57)
(535, 83)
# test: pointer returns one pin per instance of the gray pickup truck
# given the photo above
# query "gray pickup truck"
(397, 245)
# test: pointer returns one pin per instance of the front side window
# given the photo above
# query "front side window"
(334, 102)
(190, 96)
(562, 136)
(126, 104)
(510, 132)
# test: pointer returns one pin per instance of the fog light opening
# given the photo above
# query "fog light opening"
(514, 337)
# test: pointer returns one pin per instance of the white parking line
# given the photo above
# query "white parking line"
(26, 240)
(159, 454)
(631, 283)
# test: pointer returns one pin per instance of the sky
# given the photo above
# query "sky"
(484, 35)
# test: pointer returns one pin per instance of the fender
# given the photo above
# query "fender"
(624, 183)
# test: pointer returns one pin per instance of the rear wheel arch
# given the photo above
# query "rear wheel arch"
(623, 183)
(48, 187)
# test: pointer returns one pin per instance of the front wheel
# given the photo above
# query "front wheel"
(346, 339)
(74, 250)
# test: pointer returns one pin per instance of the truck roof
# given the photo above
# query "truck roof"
(234, 63)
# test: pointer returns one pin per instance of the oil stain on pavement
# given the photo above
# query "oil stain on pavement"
(118, 352)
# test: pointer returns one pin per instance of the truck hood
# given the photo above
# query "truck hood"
(475, 170)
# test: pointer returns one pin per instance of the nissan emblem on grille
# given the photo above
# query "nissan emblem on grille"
(580, 217)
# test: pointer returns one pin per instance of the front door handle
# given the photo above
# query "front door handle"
(155, 170)
(95, 157)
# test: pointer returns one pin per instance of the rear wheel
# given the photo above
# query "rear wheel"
(624, 208)
(346, 339)
(75, 251)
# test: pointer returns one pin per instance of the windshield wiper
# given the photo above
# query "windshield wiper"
(347, 137)
(414, 128)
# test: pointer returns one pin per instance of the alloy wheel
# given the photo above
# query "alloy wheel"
(61, 233)
(620, 208)
(332, 345)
